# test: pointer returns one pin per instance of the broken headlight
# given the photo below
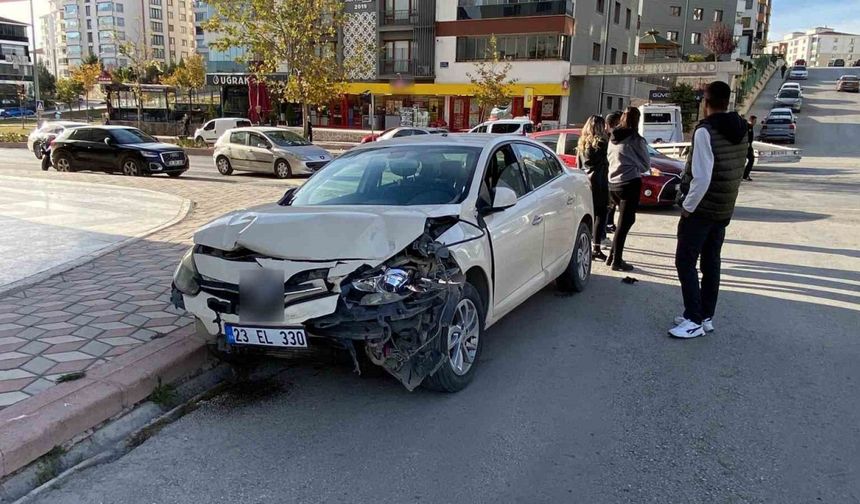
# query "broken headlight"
(390, 286)
(185, 277)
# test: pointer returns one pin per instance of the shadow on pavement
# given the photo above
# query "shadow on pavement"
(774, 215)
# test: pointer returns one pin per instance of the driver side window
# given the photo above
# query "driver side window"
(209, 126)
(504, 171)
(258, 141)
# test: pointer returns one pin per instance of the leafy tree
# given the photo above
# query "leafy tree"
(295, 35)
(683, 95)
(141, 61)
(190, 75)
(47, 81)
(68, 91)
(490, 82)
(87, 75)
(92, 59)
(719, 40)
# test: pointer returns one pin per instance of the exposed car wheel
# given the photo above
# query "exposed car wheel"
(461, 343)
(199, 142)
(224, 166)
(37, 149)
(131, 167)
(46, 163)
(63, 163)
(283, 169)
(575, 277)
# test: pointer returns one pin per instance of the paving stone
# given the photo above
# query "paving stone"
(34, 347)
(143, 334)
(38, 365)
(27, 309)
(56, 340)
(135, 320)
(71, 366)
(13, 363)
(67, 356)
(37, 386)
(28, 320)
(81, 320)
(78, 308)
(30, 333)
(14, 385)
(66, 347)
(11, 355)
(14, 374)
(123, 340)
(119, 350)
(57, 326)
(88, 332)
(6, 328)
(112, 325)
(126, 307)
(10, 398)
(95, 348)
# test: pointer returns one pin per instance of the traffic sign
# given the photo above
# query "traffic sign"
(40, 106)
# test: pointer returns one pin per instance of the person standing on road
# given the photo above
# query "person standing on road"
(186, 125)
(709, 190)
(750, 151)
(612, 121)
(628, 161)
(782, 70)
(592, 157)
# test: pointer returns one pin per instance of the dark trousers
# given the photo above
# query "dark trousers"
(626, 199)
(600, 197)
(699, 237)
(750, 162)
(610, 214)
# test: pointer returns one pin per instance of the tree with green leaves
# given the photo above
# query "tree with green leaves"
(68, 91)
(683, 95)
(141, 60)
(490, 83)
(47, 81)
(293, 35)
(87, 75)
(189, 75)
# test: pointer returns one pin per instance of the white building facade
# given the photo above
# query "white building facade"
(752, 25)
(819, 46)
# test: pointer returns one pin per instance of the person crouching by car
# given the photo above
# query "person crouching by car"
(592, 157)
(628, 161)
(750, 151)
(612, 121)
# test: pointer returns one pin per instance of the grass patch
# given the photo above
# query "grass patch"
(164, 395)
(49, 465)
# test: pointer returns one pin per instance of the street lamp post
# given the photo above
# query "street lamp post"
(35, 57)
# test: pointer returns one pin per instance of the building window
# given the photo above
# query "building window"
(156, 26)
(718, 16)
(609, 102)
(624, 58)
(696, 38)
(158, 40)
(537, 46)
(675, 10)
(155, 2)
(87, 10)
(698, 14)
(617, 14)
(158, 53)
(627, 19)
(154, 13)
(672, 35)
(104, 7)
(746, 22)
(595, 51)
(601, 6)
(119, 8)
(613, 56)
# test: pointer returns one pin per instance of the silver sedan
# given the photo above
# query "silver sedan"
(267, 150)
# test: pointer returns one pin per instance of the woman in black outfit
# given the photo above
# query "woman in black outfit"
(628, 161)
(591, 157)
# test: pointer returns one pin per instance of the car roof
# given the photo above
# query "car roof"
(259, 129)
(848, 76)
(111, 127)
(480, 140)
(781, 110)
(507, 121)
(576, 131)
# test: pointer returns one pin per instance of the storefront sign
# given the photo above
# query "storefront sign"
(237, 79)
(528, 97)
(675, 68)
(358, 6)
(658, 95)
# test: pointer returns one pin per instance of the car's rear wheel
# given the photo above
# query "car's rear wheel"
(578, 272)
(283, 169)
(223, 165)
(461, 343)
(131, 167)
(37, 149)
(199, 142)
(63, 163)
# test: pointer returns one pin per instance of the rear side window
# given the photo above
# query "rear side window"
(550, 141)
(239, 137)
(658, 117)
(243, 124)
(82, 134)
(98, 135)
(571, 141)
(528, 128)
(419, 132)
(402, 133)
(481, 129)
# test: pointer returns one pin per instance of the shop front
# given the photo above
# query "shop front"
(243, 96)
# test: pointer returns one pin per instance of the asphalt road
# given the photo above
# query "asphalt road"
(583, 398)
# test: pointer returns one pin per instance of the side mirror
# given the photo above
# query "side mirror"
(285, 199)
(108, 141)
(504, 198)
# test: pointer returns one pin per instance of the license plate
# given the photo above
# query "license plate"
(280, 337)
(176, 163)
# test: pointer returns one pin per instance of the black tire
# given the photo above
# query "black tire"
(131, 167)
(445, 379)
(37, 149)
(63, 162)
(283, 169)
(46, 163)
(223, 165)
(575, 277)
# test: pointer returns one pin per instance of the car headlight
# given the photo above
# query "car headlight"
(390, 286)
(656, 172)
(149, 154)
(186, 275)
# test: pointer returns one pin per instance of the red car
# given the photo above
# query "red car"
(658, 189)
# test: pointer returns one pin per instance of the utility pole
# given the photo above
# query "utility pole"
(35, 57)
(605, 54)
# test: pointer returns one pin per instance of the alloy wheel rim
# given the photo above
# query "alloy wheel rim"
(130, 168)
(283, 170)
(583, 256)
(62, 164)
(222, 165)
(463, 335)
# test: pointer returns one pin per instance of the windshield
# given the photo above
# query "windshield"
(850, 78)
(395, 175)
(286, 138)
(789, 93)
(131, 136)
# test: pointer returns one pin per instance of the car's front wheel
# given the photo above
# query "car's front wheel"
(63, 163)
(224, 166)
(282, 169)
(461, 344)
(131, 167)
(37, 149)
(575, 277)
(199, 142)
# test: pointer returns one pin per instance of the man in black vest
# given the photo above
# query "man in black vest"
(709, 189)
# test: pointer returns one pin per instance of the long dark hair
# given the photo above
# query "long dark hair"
(630, 118)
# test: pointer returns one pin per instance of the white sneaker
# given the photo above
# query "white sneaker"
(707, 324)
(687, 329)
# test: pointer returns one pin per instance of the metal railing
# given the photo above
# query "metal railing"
(751, 77)
(405, 67)
(400, 17)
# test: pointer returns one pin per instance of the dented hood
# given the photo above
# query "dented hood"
(321, 233)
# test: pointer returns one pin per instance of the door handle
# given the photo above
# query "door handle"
(537, 219)
(571, 200)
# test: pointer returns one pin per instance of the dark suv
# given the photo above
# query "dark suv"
(116, 149)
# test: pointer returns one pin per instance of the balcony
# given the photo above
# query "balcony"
(405, 67)
(474, 9)
(400, 17)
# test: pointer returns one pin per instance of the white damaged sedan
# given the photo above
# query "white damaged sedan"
(402, 252)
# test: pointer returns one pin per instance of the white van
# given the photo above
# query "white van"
(210, 132)
(661, 123)
(506, 127)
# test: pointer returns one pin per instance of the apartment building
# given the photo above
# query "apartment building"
(752, 25)
(819, 46)
(75, 29)
(216, 61)
(16, 64)
(687, 21)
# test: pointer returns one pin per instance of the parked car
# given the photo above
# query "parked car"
(800, 62)
(790, 98)
(212, 130)
(782, 111)
(798, 73)
(792, 85)
(405, 250)
(116, 149)
(267, 150)
(837, 63)
(505, 127)
(47, 132)
(850, 83)
(16, 112)
(402, 131)
(778, 128)
(856, 63)
(658, 188)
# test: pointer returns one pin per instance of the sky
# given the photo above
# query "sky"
(788, 15)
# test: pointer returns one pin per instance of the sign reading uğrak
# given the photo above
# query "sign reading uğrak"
(233, 79)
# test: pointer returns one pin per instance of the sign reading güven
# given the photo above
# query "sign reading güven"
(358, 6)
(233, 79)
